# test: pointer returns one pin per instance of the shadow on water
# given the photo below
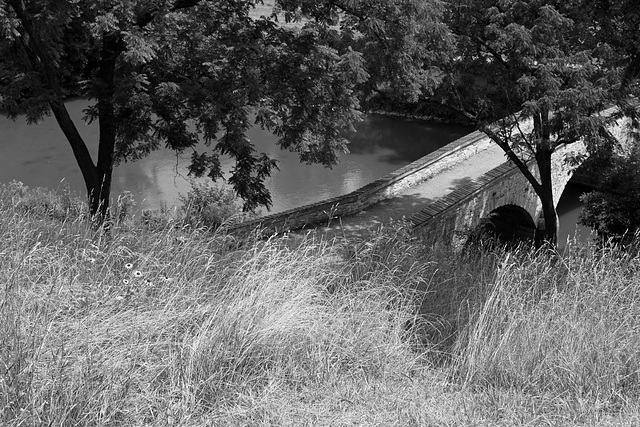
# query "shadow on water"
(569, 208)
(401, 141)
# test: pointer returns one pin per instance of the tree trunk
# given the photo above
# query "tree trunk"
(545, 192)
(97, 177)
(100, 192)
(80, 151)
(543, 189)
(99, 198)
(94, 177)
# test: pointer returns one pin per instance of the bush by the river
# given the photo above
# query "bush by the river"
(209, 206)
(187, 327)
(613, 209)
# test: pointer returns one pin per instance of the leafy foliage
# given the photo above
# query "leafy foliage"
(535, 75)
(613, 210)
(173, 73)
(207, 206)
(41, 203)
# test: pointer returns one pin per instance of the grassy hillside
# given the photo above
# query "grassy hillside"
(157, 324)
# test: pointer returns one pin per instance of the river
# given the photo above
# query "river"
(39, 156)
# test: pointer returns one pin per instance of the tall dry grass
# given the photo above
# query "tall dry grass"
(181, 327)
(157, 324)
(564, 326)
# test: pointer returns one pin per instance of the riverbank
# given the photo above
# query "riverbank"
(428, 111)
(161, 325)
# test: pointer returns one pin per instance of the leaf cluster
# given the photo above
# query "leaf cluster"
(613, 209)
(534, 57)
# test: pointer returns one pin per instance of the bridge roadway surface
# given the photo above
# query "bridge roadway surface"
(359, 226)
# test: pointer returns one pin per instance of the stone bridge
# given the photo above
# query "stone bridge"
(501, 200)
(465, 184)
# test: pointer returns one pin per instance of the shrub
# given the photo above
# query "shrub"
(210, 207)
(613, 210)
(42, 203)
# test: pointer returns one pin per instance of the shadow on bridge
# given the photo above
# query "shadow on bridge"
(364, 224)
(508, 223)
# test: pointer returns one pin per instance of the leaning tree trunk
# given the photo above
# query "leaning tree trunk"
(79, 148)
(94, 177)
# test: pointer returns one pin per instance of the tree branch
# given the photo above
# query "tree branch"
(148, 16)
(513, 157)
(483, 44)
(493, 53)
(361, 16)
(525, 139)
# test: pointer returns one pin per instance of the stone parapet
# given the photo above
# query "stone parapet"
(383, 188)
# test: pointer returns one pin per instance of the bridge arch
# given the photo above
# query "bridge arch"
(508, 223)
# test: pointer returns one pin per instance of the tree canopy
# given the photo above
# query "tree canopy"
(613, 209)
(174, 72)
(534, 75)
